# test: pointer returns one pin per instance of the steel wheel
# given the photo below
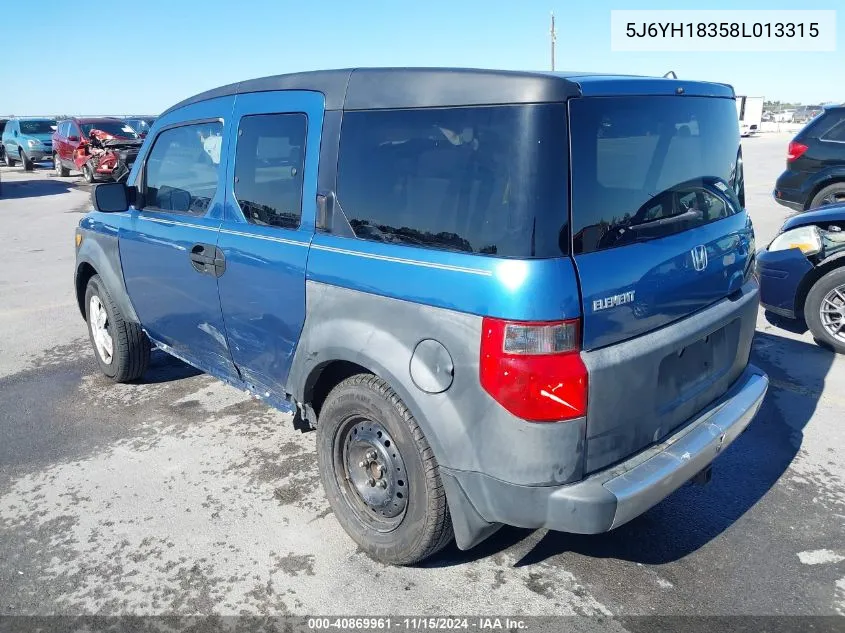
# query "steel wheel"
(832, 313)
(87, 173)
(371, 473)
(99, 322)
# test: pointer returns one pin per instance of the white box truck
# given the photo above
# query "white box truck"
(750, 113)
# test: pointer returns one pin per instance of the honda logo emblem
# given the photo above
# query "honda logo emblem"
(699, 258)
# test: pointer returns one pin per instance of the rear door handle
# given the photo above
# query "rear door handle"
(208, 259)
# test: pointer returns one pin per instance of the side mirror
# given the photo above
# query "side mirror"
(110, 197)
(73, 138)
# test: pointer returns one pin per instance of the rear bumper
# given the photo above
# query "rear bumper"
(612, 497)
(792, 198)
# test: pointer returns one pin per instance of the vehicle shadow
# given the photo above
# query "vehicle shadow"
(16, 189)
(695, 515)
(166, 368)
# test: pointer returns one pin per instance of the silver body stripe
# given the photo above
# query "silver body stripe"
(410, 262)
(268, 238)
(331, 249)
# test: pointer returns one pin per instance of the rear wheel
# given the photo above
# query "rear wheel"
(832, 194)
(824, 310)
(26, 161)
(61, 170)
(380, 475)
(120, 346)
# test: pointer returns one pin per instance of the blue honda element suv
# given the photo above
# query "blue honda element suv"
(499, 297)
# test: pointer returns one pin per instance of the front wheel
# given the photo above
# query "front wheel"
(10, 162)
(61, 170)
(380, 475)
(26, 162)
(824, 310)
(88, 173)
(120, 346)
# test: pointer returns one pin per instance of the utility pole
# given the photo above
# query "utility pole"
(554, 38)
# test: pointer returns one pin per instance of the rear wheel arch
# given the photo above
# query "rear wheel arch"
(837, 179)
(325, 377)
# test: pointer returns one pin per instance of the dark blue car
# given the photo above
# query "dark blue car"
(500, 297)
(802, 273)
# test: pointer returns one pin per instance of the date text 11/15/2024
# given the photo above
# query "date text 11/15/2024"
(416, 624)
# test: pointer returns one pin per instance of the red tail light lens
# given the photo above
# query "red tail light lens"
(534, 369)
(795, 150)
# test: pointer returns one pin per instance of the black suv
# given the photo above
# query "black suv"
(815, 163)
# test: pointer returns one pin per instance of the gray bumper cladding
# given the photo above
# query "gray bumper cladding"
(614, 496)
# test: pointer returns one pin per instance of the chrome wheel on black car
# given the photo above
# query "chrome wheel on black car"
(380, 476)
(824, 310)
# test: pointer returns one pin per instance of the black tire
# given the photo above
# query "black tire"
(88, 173)
(61, 170)
(424, 527)
(829, 283)
(10, 162)
(831, 194)
(131, 347)
(26, 163)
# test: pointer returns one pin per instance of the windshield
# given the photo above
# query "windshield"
(142, 126)
(648, 167)
(115, 128)
(44, 126)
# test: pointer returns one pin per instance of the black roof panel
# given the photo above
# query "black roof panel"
(374, 88)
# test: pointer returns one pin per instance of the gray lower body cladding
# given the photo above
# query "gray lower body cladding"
(500, 469)
(644, 388)
(465, 427)
(612, 497)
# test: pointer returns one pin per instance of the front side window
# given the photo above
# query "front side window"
(489, 180)
(269, 165)
(181, 171)
(649, 167)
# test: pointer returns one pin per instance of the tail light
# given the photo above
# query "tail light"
(795, 150)
(534, 369)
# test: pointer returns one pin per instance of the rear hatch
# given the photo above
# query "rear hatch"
(659, 234)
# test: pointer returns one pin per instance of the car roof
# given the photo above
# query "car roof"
(91, 119)
(381, 88)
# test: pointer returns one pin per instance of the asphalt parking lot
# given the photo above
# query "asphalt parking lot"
(181, 495)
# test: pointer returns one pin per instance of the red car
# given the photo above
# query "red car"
(72, 142)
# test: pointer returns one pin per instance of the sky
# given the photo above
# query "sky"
(141, 57)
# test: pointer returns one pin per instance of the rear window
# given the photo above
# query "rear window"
(488, 180)
(648, 167)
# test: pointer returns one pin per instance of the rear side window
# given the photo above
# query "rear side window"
(648, 167)
(269, 163)
(488, 180)
(835, 133)
(182, 168)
